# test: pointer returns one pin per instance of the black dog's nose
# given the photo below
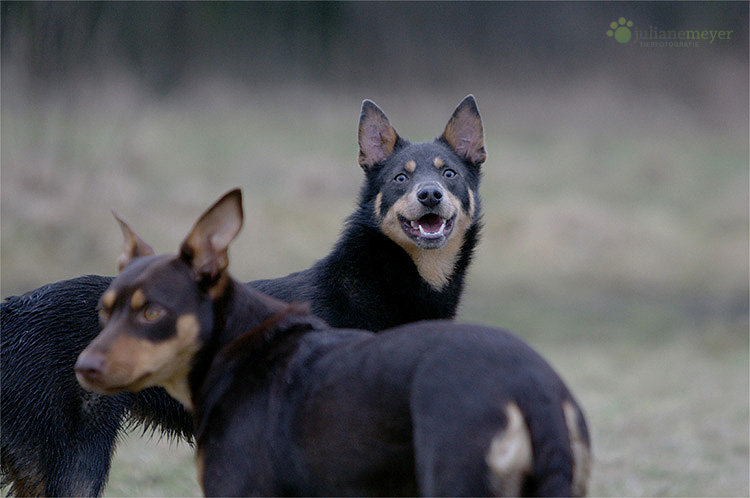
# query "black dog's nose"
(430, 195)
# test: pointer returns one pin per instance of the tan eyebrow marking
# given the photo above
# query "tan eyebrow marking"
(410, 166)
(108, 299)
(438, 162)
(138, 299)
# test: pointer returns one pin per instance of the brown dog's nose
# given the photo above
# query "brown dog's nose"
(90, 368)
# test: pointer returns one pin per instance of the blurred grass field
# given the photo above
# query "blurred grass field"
(615, 238)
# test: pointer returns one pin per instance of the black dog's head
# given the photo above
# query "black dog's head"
(424, 196)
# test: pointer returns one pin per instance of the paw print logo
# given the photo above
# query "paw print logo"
(621, 30)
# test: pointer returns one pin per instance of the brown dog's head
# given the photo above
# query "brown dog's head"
(158, 311)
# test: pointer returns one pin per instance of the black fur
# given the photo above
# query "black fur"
(58, 440)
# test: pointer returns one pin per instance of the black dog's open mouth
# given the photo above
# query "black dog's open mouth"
(428, 227)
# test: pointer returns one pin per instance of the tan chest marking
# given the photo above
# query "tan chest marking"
(435, 266)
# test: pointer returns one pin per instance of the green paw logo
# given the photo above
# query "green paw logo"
(621, 30)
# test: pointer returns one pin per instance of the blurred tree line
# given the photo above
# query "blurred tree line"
(393, 43)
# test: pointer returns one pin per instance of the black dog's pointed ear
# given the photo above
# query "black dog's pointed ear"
(377, 138)
(206, 246)
(133, 246)
(465, 133)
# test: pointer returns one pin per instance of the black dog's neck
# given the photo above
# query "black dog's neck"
(375, 279)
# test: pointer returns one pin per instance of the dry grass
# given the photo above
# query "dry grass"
(617, 247)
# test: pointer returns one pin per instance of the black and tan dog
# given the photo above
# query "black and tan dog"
(402, 257)
(286, 405)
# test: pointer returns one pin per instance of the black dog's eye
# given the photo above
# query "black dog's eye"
(401, 178)
(449, 173)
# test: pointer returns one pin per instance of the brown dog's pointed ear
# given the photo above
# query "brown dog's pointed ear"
(133, 246)
(465, 133)
(377, 138)
(205, 247)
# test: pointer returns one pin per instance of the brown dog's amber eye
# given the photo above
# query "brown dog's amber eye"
(151, 313)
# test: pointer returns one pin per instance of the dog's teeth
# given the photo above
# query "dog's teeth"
(414, 224)
(421, 230)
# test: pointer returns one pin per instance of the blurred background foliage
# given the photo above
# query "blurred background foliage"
(397, 44)
(341, 43)
(615, 191)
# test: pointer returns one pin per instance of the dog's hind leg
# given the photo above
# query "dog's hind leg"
(63, 452)
(80, 461)
(57, 439)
